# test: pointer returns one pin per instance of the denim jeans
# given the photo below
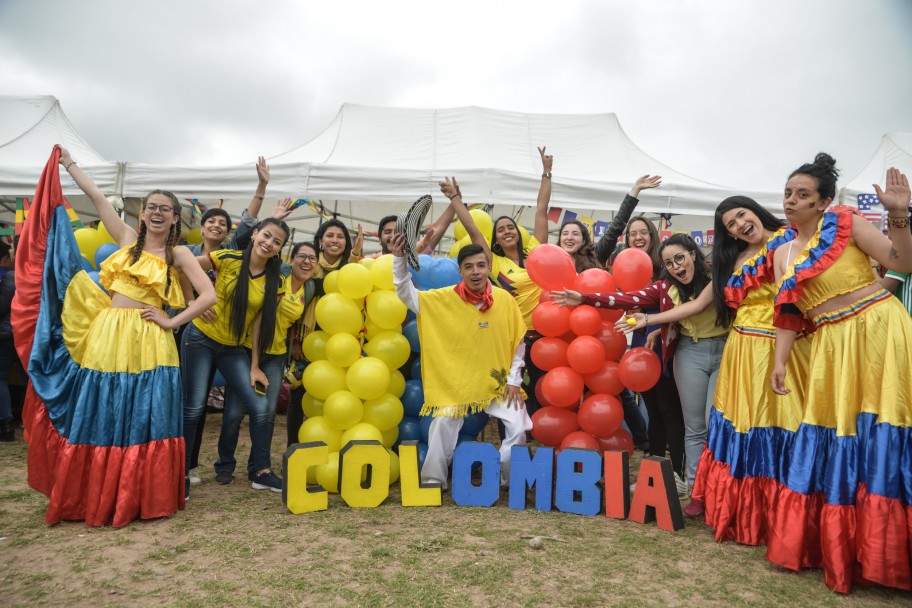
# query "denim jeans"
(199, 354)
(696, 369)
(262, 422)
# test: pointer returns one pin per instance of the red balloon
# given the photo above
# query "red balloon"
(580, 440)
(540, 397)
(549, 319)
(639, 369)
(550, 267)
(586, 354)
(605, 379)
(594, 280)
(562, 386)
(601, 415)
(615, 342)
(548, 353)
(551, 424)
(619, 441)
(632, 269)
(611, 315)
(585, 320)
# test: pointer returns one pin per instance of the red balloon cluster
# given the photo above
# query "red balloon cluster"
(582, 349)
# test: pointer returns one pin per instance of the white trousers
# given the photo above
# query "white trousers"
(444, 433)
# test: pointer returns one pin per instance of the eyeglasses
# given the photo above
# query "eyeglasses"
(303, 257)
(634, 234)
(163, 209)
(678, 260)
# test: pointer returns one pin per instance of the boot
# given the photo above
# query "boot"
(6, 430)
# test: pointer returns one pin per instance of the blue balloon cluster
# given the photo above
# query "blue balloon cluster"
(435, 272)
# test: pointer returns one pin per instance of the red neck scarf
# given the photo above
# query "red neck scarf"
(486, 299)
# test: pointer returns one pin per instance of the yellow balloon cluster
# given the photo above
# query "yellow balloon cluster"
(353, 381)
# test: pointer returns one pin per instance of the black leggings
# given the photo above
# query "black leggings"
(666, 422)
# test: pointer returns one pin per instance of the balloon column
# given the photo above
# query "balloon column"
(355, 389)
(580, 350)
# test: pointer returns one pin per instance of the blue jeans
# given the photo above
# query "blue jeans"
(262, 422)
(696, 369)
(199, 354)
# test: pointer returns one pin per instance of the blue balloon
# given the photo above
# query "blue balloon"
(86, 264)
(103, 252)
(422, 454)
(409, 429)
(425, 427)
(474, 424)
(218, 380)
(410, 331)
(444, 272)
(413, 397)
(422, 277)
(410, 314)
(97, 279)
(415, 373)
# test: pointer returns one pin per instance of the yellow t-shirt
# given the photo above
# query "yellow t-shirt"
(289, 309)
(508, 275)
(698, 326)
(227, 265)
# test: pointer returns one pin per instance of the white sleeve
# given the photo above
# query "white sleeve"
(516, 368)
(403, 281)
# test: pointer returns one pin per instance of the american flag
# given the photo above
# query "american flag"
(865, 206)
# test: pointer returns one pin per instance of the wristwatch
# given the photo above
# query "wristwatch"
(548, 175)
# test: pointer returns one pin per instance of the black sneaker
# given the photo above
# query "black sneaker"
(186, 488)
(267, 481)
(224, 477)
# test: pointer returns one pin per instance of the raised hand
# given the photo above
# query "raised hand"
(645, 182)
(282, 208)
(449, 187)
(896, 196)
(397, 245)
(358, 244)
(547, 160)
(262, 170)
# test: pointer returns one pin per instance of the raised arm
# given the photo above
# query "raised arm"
(608, 243)
(404, 287)
(435, 232)
(117, 228)
(894, 253)
(450, 189)
(262, 169)
(544, 197)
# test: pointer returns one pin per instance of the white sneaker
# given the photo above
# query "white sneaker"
(194, 477)
(682, 487)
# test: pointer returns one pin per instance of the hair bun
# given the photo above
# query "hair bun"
(827, 163)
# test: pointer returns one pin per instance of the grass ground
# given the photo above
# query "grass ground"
(235, 546)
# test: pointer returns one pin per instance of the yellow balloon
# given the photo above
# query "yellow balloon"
(88, 241)
(382, 272)
(482, 220)
(194, 236)
(343, 410)
(397, 384)
(390, 437)
(338, 314)
(311, 406)
(322, 379)
(314, 345)
(371, 329)
(386, 309)
(355, 281)
(343, 349)
(105, 235)
(328, 474)
(368, 378)
(331, 282)
(368, 262)
(384, 412)
(362, 432)
(390, 347)
(394, 463)
(455, 247)
(319, 429)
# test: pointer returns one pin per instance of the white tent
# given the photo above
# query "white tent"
(29, 128)
(895, 150)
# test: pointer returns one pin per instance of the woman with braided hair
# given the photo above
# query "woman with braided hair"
(104, 409)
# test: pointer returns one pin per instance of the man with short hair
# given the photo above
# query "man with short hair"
(385, 230)
(472, 353)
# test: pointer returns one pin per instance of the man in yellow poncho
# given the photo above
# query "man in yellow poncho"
(471, 357)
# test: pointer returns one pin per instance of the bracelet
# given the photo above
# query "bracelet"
(645, 319)
(548, 175)
(454, 196)
(67, 166)
(259, 196)
(898, 222)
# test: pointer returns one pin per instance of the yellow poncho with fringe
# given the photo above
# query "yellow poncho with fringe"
(465, 353)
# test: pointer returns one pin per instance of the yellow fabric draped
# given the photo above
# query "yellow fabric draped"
(143, 281)
(465, 353)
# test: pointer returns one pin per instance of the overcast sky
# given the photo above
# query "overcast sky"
(733, 92)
